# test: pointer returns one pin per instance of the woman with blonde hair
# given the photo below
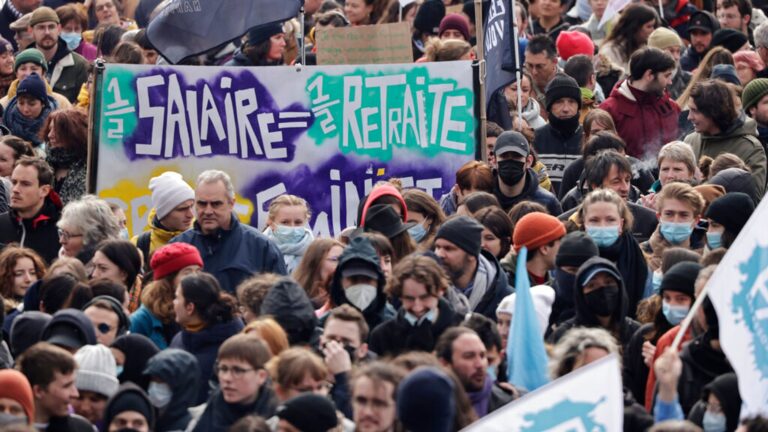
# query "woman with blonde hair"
(441, 50)
(717, 55)
(270, 332)
(287, 226)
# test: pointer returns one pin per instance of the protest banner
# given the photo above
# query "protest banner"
(739, 291)
(326, 134)
(371, 44)
(572, 403)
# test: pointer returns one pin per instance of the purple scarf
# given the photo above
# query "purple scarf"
(480, 399)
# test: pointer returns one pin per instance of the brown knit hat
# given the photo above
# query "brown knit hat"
(537, 229)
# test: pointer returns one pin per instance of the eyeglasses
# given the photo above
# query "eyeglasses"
(237, 372)
(63, 235)
(103, 328)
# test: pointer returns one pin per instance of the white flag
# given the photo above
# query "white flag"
(588, 399)
(739, 291)
(613, 9)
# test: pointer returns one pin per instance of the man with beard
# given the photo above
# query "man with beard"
(462, 351)
(559, 142)
(516, 181)
(700, 30)
(474, 273)
(644, 114)
(67, 70)
(754, 99)
(373, 397)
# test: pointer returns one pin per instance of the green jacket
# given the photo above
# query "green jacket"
(741, 140)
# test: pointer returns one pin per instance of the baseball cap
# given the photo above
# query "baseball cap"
(704, 21)
(511, 141)
(359, 268)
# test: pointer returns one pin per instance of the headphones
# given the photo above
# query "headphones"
(123, 322)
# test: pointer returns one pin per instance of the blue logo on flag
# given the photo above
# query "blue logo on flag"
(750, 305)
(574, 415)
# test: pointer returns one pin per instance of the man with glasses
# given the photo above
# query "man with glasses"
(541, 63)
(31, 222)
(231, 251)
(735, 14)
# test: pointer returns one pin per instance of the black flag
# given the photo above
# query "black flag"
(499, 58)
(184, 28)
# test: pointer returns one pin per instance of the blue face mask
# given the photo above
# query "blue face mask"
(491, 371)
(124, 234)
(714, 239)
(72, 40)
(429, 316)
(674, 314)
(417, 232)
(676, 233)
(656, 281)
(289, 235)
(713, 422)
(120, 370)
(603, 236)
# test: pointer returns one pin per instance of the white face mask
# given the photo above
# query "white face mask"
(160, 394)
(361, 295)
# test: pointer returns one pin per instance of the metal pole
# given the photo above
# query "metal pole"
(301, 36)
(516, 47)
(479, 34)
(661, 9)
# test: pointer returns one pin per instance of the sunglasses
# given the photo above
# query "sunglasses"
(103, 328)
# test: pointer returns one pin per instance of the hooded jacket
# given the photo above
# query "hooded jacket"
(623, 326)
(397, 336)
(233, 255)
(532, 191)
(643, 120)
(360, 249)
(741, 140)
(179, 370)
(204, 345)
(38, 232)
(701, 365)
(726, 390)
(289, 305)
(138, 349)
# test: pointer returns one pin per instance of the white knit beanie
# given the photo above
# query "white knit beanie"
(543, 296)
(97, 370)
(169, 190)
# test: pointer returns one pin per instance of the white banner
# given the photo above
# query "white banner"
(586, 400)
(739, 291)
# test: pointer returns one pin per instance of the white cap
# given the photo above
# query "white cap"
(168, 191)
(97, 370)
(543, 297)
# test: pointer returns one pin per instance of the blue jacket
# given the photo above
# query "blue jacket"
(235, 254)
(204, 345)
(146, 323)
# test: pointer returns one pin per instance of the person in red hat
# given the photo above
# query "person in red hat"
(155, 318)
(16, 396)
(540, 233)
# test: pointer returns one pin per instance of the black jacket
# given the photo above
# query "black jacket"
(38, 233)
(397, 336)
(180, 371)
(220, 415)
(623, 327)
(70, 423)
(6, 18)
(531, 192)
(701, 365)
(361, 249)
(635, 370)
(556, 151)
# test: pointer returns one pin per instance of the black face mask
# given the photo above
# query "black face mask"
(567, 127)
(602, 301)
(511, 171)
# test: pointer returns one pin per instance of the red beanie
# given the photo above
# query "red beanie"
(454, 21)
(173, 257)
(535, 230)
(571, 43)
(14, 385)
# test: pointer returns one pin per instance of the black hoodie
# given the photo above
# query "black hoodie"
(726, 390)
(361, 249)
(623, 327)
(179, 370)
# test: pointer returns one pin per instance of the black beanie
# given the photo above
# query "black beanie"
(730, 39)
(722, 211)
(262, 33)
(562, 86)
(464, 232)
(681, 277)
(428, 18)
(309, 413)
(129, 398)
(575, 249)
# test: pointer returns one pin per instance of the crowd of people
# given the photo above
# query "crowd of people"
(635, 158)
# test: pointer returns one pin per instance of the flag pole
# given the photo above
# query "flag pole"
(516, 48)
(481, 74)
(689, 318)
(303, 38)
(661, 9)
